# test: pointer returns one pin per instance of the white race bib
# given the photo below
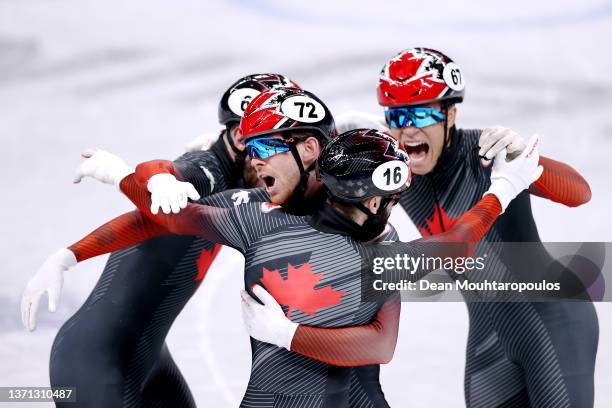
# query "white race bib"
(303, 109)
(391, 175)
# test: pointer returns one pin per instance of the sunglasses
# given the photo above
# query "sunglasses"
(416, 117)
(265, 147)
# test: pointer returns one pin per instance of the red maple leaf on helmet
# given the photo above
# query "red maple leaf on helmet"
(413, 77)
(439, 222)
(298, 290)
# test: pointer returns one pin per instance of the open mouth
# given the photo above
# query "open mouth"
(268, 180)
(417, 150)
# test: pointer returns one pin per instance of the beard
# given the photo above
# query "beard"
(373, 226)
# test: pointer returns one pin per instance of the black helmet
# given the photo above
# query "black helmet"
(364, 163)
(237, 97)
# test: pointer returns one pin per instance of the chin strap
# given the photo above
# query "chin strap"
(240, 155)
(374, 225)
(383, 206)
(446, 132)
(230, 141)
(450, 136)
(300, 188)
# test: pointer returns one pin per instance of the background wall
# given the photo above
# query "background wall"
(142, 78)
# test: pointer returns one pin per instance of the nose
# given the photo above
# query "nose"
(408, 134)
(409, 131)
(257, 163)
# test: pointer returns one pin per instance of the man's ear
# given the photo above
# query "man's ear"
(236, 135)
(451, 115)
(373, 204)
(310, 150)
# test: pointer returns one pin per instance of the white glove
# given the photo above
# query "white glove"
(202, 142)
(169, 193)
(495, 139)
(510, 178)
(266, 322)
(358, 120)
(102, 166)
(49, 278)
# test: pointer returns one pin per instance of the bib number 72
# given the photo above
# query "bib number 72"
(304, 109)
(307, 105)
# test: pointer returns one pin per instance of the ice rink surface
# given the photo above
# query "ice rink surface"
(142, 78)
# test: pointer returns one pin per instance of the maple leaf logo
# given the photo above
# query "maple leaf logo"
(298, 290)
(434, 225)
(205, 260)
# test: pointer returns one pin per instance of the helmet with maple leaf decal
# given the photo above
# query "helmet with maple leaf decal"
(284, 110)
(420, 76)
(237, 97)
(364, 163)
(293, 114)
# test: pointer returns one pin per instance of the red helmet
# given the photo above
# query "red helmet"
(419, 76)
(286, 109)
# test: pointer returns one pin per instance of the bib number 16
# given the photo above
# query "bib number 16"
(397, 176)
(391, 175)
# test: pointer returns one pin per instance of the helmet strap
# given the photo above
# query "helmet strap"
(448, 136)
(240, 155)
(300, 189)
(375, 224)
(384, 203)
(446, 133)
(230, 141)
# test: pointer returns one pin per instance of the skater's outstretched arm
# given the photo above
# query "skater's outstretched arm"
(135, 227)
(121, 232)
(214, 224)
(561, 183)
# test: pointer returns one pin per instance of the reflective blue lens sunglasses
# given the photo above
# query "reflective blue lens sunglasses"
(417, 117)
(265, 147)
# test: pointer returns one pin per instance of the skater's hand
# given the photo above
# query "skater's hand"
(358, 120)
(510, 178)
(102, 166)
(266, 322)
(203, 142)
(170, 194)
(494, 140)
(49, 278)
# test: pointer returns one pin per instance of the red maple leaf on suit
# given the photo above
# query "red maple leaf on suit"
(434, 225)
(205, 260)
(298, 290)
